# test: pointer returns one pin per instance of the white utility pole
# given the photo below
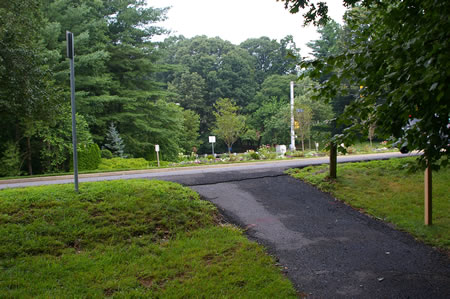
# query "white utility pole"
(292, 146)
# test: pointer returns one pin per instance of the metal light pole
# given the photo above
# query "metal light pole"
(70, 54)
(292, 146)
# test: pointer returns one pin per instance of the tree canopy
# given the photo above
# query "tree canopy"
(398, 51)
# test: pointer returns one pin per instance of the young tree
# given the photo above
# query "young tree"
(229, 124)
(190, 136)
(304, 118)
(115, 143)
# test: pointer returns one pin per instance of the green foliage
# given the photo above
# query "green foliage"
(266, 153)
(115, 63)
(115, 142)
(277, 127)
(254, 155)
(57, 141)
(26, 86)
(122, 163)
(190, 136)
(399, 53)
(106, 154)
(389, 191)
(272, 57)
(10, 160)
(229, 125)
(89, 157)
(130, 238)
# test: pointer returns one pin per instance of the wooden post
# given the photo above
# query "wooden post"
(333, 161)
(428, 196)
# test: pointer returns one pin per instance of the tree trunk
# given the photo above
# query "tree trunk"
(428, 196)
(333, 161)
(30, 167)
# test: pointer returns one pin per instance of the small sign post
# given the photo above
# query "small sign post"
(70, 55)
(157, 152)
(212, 140)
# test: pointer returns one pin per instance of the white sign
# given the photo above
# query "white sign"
(156, 147)
(281, 149)
(212, 139)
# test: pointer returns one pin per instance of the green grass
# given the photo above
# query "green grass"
(386, 190)
(134, 238)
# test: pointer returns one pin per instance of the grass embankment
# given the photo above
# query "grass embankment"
(386, 190)
(134, 238)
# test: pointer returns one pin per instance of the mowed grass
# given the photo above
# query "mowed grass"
(134, 238)
(386, 190)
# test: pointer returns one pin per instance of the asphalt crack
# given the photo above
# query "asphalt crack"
(236, 180)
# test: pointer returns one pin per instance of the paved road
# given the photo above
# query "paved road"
(328, 249)
(242, 169)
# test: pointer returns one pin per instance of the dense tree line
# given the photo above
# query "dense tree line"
(173, 93)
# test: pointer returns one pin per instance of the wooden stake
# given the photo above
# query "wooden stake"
(428, 196)
(333, 161)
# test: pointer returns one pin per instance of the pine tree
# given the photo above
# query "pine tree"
(115, 143)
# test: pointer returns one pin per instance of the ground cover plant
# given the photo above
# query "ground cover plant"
(388, 191)
(134, 238)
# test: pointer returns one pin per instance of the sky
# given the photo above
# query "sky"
(238, 20)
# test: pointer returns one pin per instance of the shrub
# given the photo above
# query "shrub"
(89, 157)
(297, 154)
(254, 155)
(266, 153)
(122, 163)
(210, 157)
(106, 154)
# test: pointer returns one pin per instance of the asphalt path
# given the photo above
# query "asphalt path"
(325, 247)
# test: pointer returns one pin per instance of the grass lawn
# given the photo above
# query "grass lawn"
(133, 238)
(386, 190)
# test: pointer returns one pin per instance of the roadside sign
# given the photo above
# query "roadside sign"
(300, 110)
(157, 153)
(212, 139)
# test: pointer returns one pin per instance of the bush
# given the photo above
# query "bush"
(266, 153)
(106, 154)
(297, 154)
(210, 157)
(254, 155)
(122, 163)
(89, 157)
